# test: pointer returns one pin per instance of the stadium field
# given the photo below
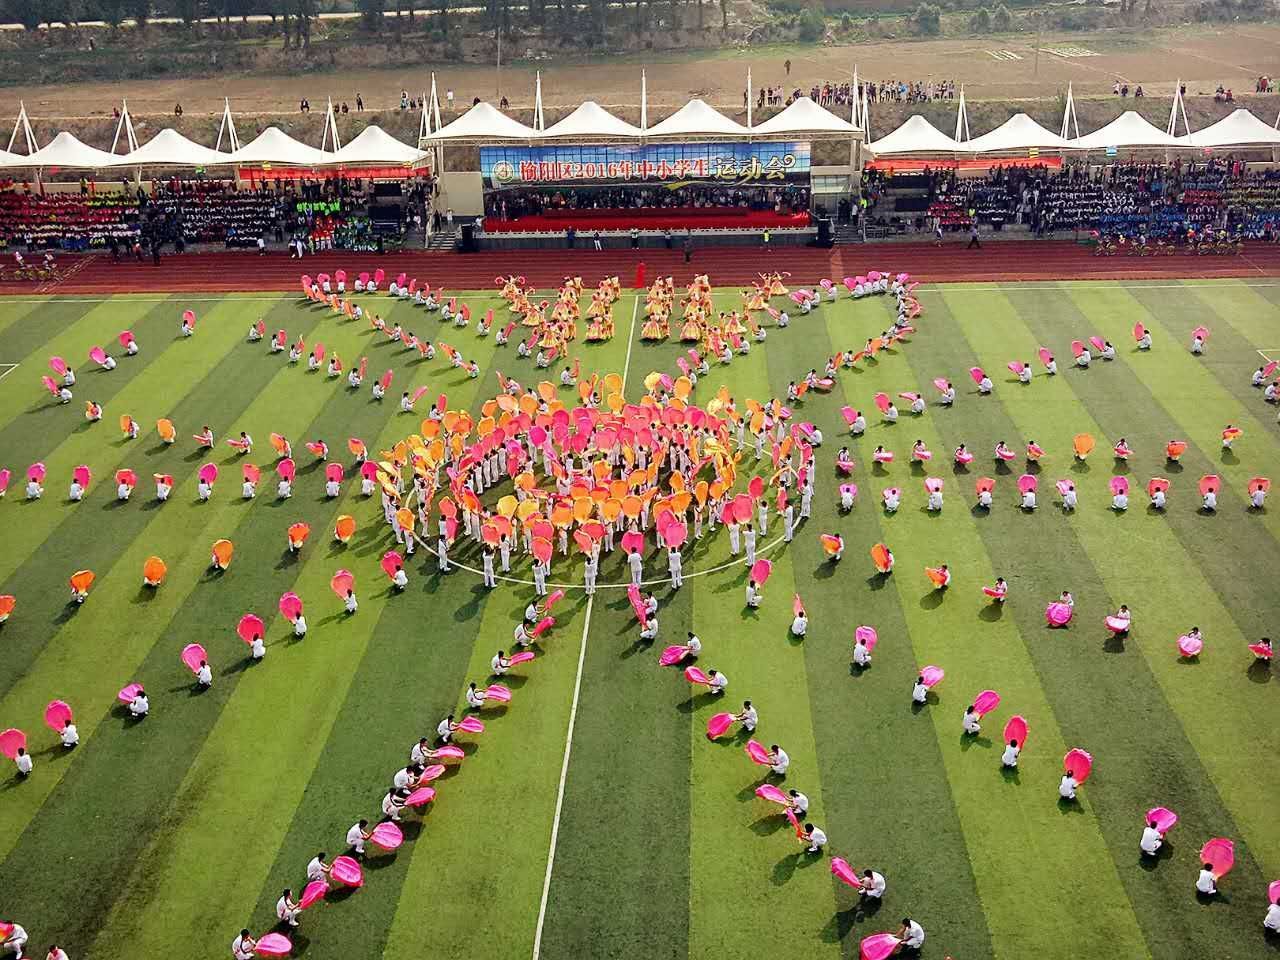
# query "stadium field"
(593, 817)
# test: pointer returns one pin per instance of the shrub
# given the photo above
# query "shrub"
(811, 26)
(980, 22)
(928, 20)
(1001, 19)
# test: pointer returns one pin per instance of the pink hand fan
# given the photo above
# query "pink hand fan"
(420, 797)
(718, 725)
(56, 715)
(1078, 763)
(985, 702)
(1015, 728)
(758, 754)
(347, 872)
(192, 655)
(767, 791)
(387, 835)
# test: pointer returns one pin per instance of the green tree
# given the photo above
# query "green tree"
(980, 22)
(724, 15)
(188, 11)
(812, 26)
(29, 13)
(140, 10)
(371, 12)
(1002, 19)
(111, 12)
(928, 20)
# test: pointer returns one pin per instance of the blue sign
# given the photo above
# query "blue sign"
(669, 163)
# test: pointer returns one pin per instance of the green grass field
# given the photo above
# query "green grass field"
(162, 839)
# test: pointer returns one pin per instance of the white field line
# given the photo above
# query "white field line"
(9, 368)
(564, 773)
(573, 709)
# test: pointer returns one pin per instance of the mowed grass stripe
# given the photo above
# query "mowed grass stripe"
(881, 758)
(185, 867)
(397, 681)
(728, 824)
(1106, 698)
(190, 606)
(74, 331)
(1218, 591)
(1200, 404)
(1010, 828)
(515, 769)
(54, 537)
(11, 312)
(630, 761)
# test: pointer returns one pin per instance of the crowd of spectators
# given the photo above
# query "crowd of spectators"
(910, 91)
(840, 94)
(319, 213)
(516, 203)
(1155, 200)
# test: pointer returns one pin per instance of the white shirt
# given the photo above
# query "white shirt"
(1204, 882)
(800, 625)
(1272, 920)
(204, 675)
(750, 717)
(283, 909)
(442, 728)
(919, 693)
(719, 682)
(1029, 500)
(1157, 499)
(984, 498)
(1211, 501)
(970, 723)
(70, 735)
(1120, 502)
(315, 869)
(140, 705)
(817, 838)
(874, 886)
(1067, 788)
(355, 835)
(497, 665)
(780, 766)
(401, 579)
(694, 645)
(475, 698)
(862, 656)
(300, 626)
(123, 491)
(1151, 840)
(800, 802)
(241, 950)
(23, 763)
(915, 935)
(1010, 756)
(258, 648)
(1258, 498)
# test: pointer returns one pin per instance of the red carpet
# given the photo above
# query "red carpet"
(223, 272)
(670, 218)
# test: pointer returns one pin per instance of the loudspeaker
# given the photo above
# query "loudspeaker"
(825, 238)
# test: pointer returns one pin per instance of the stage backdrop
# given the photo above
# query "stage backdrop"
(670, 164)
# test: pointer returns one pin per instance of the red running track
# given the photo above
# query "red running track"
(1003, 261)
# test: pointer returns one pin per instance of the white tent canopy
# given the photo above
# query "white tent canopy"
(590, 120)
(697, 117)
(485, 122)
(273, 145)
(169, 148)
(64, 150)
(803, 116)
(1130, 129)
(374, 145)
(916, 135)
(1240, 128)
(1019, 132)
